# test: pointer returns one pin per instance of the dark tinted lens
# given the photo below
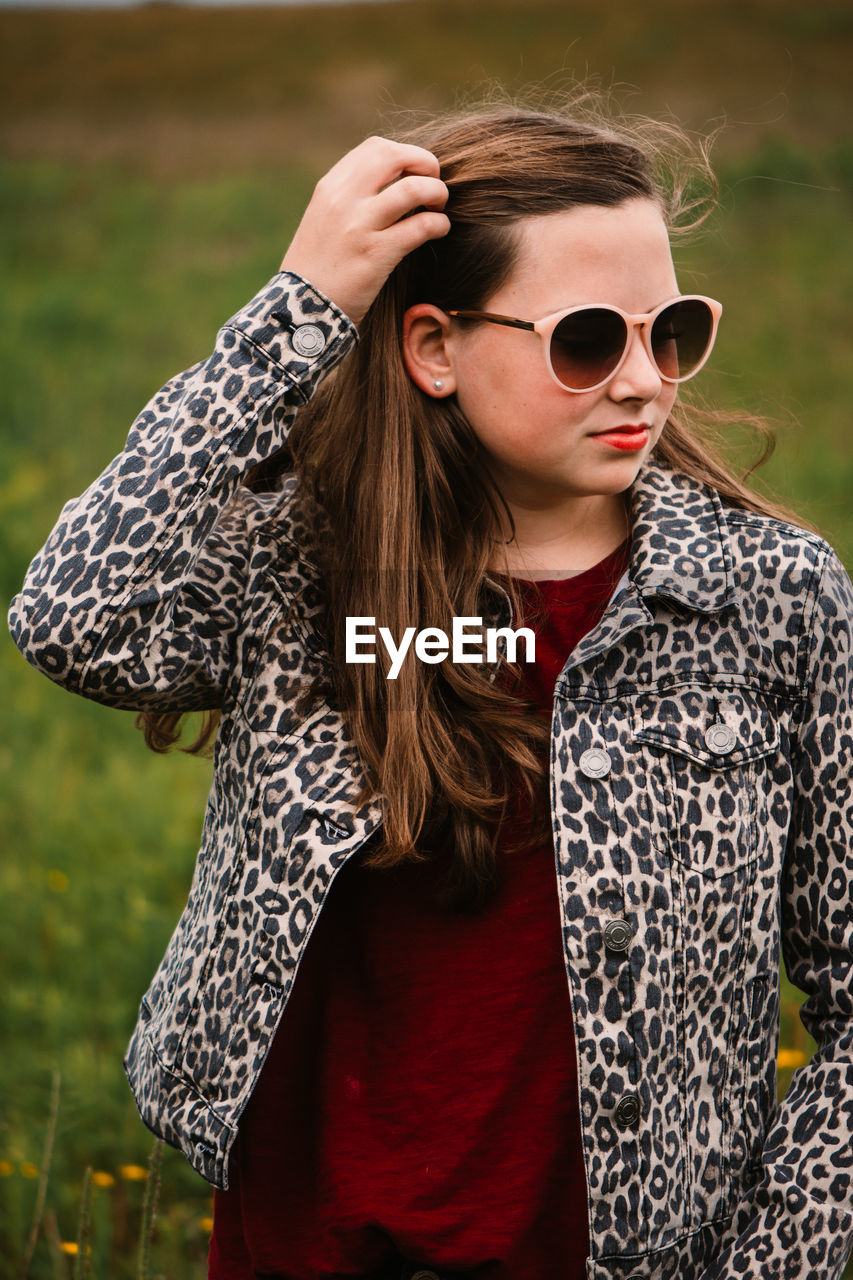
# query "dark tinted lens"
(680, 337)
(587, 346)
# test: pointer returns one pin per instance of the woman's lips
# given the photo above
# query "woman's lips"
(627, 438)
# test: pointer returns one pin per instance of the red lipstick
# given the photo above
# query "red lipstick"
(629, 439)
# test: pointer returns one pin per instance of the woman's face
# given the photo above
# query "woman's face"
(542, 441)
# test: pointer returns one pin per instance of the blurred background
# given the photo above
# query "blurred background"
(155, 160)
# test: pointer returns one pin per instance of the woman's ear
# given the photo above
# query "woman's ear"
(426, 354)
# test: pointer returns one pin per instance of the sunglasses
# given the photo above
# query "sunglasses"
(586, 346)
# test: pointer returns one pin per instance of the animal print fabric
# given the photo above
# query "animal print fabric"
(701, 794)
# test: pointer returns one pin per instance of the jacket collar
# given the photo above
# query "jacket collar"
(680, 544)
(680, 541)
(681, 547)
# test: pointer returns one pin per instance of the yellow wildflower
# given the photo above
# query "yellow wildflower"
(132, 1172)
(6, 1168)
(206, 1224)
(57, 881)
(69, 1246)
(790, 1058)
(29, 1170)
(102, 1179)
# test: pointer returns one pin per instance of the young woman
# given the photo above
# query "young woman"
(479, 972)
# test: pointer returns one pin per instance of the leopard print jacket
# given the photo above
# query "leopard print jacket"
(702, 809)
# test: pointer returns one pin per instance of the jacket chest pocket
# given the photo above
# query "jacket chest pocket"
(704, 752)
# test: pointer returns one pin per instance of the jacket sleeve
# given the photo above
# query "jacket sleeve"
(136, 596)
(797, 1220)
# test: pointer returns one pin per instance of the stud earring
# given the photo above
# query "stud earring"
(438, 384)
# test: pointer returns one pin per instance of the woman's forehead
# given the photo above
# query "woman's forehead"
(588, 253)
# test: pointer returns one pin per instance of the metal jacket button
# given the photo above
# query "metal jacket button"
(596, 762)
(307, 340)
(628, 1111)
(618, 935)
(425, 1275)
(720, 738)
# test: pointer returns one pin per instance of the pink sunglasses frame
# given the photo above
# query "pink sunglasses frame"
(642, 321)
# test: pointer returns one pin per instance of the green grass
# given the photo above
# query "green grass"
(126, 249)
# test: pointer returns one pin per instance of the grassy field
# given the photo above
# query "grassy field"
(154, 163)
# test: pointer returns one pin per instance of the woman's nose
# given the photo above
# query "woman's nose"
(638, 378)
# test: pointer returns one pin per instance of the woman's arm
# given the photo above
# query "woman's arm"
(137, 594)
(798, 1220)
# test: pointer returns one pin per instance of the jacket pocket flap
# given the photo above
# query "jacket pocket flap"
(717, 730)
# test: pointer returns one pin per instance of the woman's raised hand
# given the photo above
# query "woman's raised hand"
(360, 222)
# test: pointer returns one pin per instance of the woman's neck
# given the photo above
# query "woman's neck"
(558, 544)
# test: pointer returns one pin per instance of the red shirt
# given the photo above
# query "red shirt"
(421, 1095)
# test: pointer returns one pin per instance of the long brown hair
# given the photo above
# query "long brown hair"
(405, 513)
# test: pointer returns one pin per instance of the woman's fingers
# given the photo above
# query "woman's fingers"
(405, 195)
(406, 236)
(376, 162)
(378, 203)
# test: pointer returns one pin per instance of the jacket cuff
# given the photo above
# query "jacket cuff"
(297, 328)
